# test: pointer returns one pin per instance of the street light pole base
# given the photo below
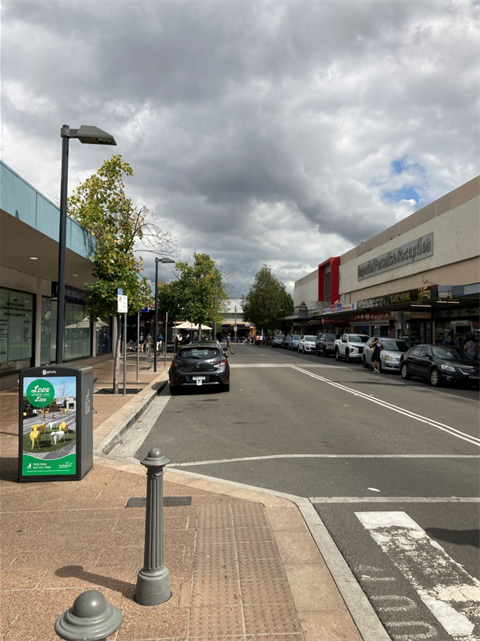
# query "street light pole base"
(153, 586)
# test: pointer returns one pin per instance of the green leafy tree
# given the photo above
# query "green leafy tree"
(101, 206)
(267, 301)
(199, 293)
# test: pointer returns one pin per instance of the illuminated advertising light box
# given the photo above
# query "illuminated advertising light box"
(55, 423)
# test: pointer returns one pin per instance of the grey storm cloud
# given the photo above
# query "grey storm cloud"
(261, 132)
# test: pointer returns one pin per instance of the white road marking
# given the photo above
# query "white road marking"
(450, 593)
(418, 417)
(284, 456)
(394, 499)
(427, 630)
(393, 603)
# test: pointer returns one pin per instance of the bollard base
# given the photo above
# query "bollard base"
(153, 586)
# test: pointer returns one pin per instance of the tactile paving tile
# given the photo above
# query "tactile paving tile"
(274, 619)
(210, 521)
(251, 519)
(261, 569)
(214, 622)
(207, 593)
(207, 550)
(215, 571)
(240, 507)
(256, 550)
(250, 534)
(209, 536)
(260, 592)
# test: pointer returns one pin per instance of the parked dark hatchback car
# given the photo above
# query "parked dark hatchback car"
(325, 344)
(199, 364)
(439, 363)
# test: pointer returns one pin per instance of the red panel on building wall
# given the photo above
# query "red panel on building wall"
(334, 279)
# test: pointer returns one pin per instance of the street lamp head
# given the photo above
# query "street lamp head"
(164, 260)
(90, 135)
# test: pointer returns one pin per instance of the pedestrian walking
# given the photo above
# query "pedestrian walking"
(229, 343)
(148, 344)
(471, 346)
(377, 348)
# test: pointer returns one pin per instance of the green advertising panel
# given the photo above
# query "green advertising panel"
(49, 426)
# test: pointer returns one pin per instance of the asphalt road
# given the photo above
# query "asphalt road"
(375, 454)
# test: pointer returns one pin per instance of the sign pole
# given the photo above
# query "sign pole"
(138, 346)
(165, 341)
(125, 355)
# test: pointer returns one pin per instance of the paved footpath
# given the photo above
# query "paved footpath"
(243, 563)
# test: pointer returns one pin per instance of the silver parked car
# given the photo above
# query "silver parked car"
(293, 344)
(390, 356)
(307, 344)
(277, 340)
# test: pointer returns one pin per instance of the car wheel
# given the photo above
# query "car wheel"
(337, 354)
(364, 361)
(434, 377)
(174, 390)
(347, 356)
(325, 353)
(226, 388)
(404, 371)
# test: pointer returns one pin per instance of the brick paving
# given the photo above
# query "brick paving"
(243, 565)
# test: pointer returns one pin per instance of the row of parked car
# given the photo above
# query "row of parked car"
(436, 363)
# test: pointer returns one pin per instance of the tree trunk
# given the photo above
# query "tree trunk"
(116, 362)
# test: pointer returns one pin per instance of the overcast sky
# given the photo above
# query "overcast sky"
(277, 133)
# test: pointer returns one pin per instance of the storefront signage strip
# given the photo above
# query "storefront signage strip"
(409, 253)
(419, 295)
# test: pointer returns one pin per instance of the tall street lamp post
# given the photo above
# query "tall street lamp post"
(91, 136)
(157, 260)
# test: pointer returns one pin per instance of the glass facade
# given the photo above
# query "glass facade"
(103, 337)
(16, 329)
(78, 331)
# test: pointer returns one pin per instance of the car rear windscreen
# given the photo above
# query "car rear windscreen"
(198, 352)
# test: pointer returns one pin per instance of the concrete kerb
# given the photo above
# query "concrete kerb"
(120, 423)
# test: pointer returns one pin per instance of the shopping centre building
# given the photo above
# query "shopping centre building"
(419, 279)
(29, 232)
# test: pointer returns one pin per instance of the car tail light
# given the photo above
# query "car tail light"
(224, 362)
(174, 364)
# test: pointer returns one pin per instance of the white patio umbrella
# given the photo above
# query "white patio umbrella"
(192, 326)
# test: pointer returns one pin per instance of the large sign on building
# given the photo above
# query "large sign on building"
(409, 253)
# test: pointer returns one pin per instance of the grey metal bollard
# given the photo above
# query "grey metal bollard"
(153, 581)
(90, 618)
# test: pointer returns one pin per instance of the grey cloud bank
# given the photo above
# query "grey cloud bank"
(263, 133)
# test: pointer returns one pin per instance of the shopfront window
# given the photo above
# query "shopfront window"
(16, 329)
(46, 333)
(419, 332)
(78, 334)
(103, 337)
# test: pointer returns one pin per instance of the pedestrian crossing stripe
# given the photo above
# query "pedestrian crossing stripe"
(448, 591)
